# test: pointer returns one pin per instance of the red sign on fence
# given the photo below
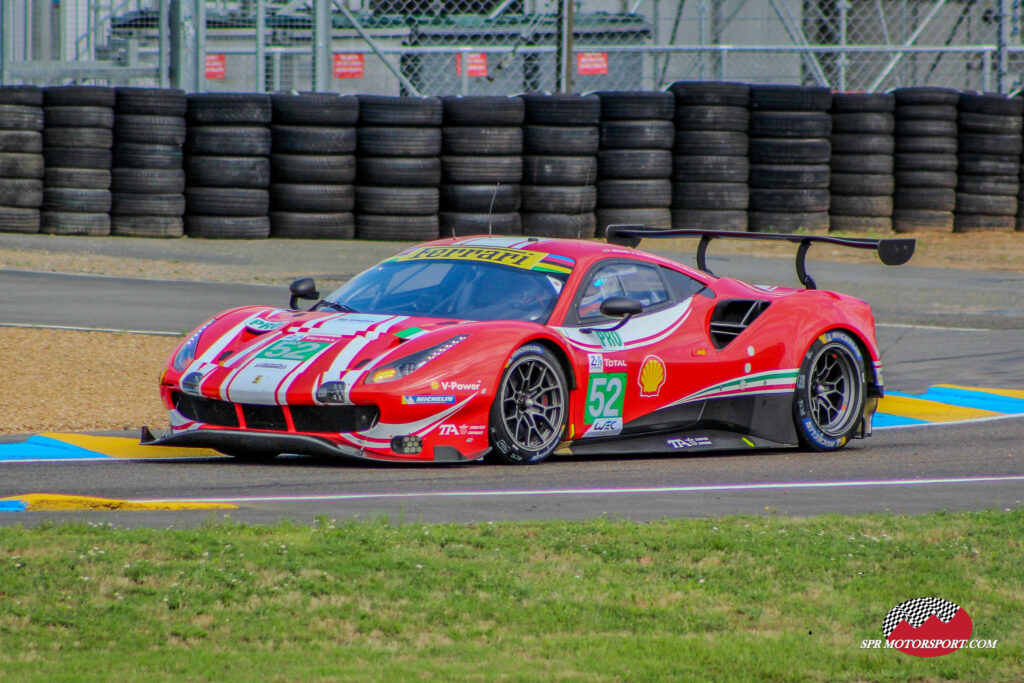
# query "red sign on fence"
(216, 66)
(476, 64)
(591, 63)
(349, 65)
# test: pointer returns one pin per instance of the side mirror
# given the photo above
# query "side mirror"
(303, 288)
(617, 307)
(620, 306)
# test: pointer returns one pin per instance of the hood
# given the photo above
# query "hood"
(273, 356)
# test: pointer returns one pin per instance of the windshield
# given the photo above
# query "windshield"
(463, 289)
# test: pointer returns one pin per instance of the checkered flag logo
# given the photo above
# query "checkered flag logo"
(917, 611)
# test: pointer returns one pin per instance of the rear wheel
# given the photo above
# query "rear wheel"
(528, 415)
(830, 392)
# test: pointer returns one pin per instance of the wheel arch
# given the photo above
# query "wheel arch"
(871, 378)
(561, 354)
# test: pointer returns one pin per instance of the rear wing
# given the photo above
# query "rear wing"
(891, 252)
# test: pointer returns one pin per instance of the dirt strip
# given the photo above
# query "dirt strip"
(54, 380)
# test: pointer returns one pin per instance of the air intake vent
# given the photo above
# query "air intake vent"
(732, 317)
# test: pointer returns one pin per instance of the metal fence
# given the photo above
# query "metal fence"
(508, 46)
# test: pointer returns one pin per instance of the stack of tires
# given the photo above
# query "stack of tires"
(635, 161)
(21, 158)
(561, 139)
(398, 169)
(926, 160)
(789, 158)
(227, 164)
(481, 165)
(149, 185)
(77, 141)
(862, 162)
(313, 166)
(710, 165)
(988, 173)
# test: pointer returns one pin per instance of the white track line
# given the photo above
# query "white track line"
(904, 326)
(92, 329)
(592, 492)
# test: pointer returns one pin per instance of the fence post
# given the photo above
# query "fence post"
(261, 45)
(6, 42)
(1001, 42)
(163, 59)
(183, 44)
(702, 11)
(565, 46)
(844, 8)
(199, 19)
(321, 45)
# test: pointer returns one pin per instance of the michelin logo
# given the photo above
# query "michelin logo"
(426, 400)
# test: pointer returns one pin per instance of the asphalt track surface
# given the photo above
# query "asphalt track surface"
(935, 326)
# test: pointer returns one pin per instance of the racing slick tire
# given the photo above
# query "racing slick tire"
(559, 170)
(710, 118)
(388, 110)
(866, 185)
(496, 198)
(630, 105)
(562, 109)
(315, 109)
(828, 404)
(703, 169)
(411, 228)
(571, 226)
(229, 108)
(787, 221)
(482, 110)
(922, 220)
(294, 225)
(482, 140)
(78, 96)
(562, 140)
(717, 93)
(17, 219)
(637, 134)
(528, 416)
(461, 224)
(866, 224)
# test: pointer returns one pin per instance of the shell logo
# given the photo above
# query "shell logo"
(652, 376)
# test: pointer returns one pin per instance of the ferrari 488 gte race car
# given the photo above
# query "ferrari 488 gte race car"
(520, 347)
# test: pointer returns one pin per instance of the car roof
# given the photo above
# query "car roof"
(582, 251)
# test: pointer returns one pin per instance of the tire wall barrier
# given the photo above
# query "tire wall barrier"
(92, 160)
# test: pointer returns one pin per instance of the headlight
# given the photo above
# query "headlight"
(413, 362)
(187, 353)
(332, 392)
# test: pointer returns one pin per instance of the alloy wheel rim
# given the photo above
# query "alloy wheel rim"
(832, 387)
(533, 405)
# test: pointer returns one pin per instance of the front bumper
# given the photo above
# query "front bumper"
(301, 444)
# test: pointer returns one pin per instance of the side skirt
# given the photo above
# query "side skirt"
(688, 441)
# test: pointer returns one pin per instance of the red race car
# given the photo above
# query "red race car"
(520, 347)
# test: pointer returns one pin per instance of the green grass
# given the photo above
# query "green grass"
(743, 598)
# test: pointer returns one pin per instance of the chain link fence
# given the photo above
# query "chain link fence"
(509, 46)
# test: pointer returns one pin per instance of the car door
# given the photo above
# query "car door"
(654, 359)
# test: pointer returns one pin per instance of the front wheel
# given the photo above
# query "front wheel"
(830, 391)
(528, 415)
